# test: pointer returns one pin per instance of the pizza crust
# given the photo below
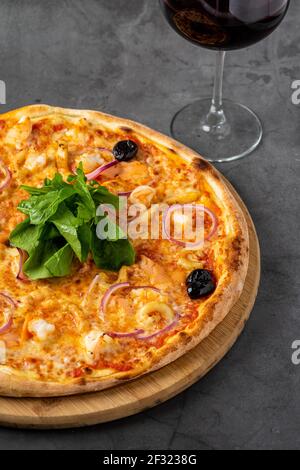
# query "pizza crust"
(213, 311)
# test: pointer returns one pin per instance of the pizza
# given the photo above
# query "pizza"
(80, 312)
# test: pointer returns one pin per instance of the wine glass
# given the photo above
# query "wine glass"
(221, 130)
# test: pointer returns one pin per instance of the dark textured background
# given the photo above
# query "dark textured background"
(121, 57)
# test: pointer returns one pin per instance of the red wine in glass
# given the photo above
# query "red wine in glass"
(228, 131)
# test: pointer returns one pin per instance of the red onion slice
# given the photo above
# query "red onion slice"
(6, 325)
(137, 333)
(7, 178)
(190, 244)
(7, 297)
(155, 289)
(125, 193)
(167, 328)
(114, 288)
(94, 174)
(101, 169)
(115, 334)
(91, 287)
(107, 295)
(21, 276)
(8, 321)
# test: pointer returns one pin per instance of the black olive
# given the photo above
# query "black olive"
(200, 283)
(125, 150)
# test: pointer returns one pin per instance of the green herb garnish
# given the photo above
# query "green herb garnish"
(61, 226)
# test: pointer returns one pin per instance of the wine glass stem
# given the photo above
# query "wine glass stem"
(217, 103)
(215, 122)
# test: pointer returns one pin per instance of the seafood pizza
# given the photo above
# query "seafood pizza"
(82, 312)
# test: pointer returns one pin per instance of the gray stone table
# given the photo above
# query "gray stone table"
(121, 57)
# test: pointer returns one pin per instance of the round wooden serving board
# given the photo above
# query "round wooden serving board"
(150, 390)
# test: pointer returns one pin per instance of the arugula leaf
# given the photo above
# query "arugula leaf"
(85, 237)
(35, 191)
(59, 265)
(108, 229)
(85, 204)
(56, 183)
(67, 225)
(48, 260)
(101, 195)
(112, 255)
(40, 209)
(50, 232)
(35, 267)
(49, 185)
(62, 223)
(26, 236)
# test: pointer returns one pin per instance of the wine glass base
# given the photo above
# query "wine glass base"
(240, 135)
